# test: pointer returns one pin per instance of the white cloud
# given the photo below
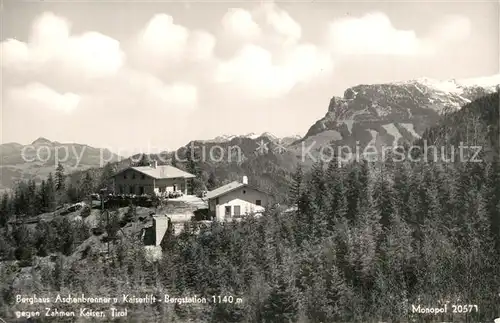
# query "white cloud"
(254, 71)
(253, 68)
(144, 87)
(201, 45)
(264, 73)
(51, 47)
(43, 97)
(162, 37)
(240, 23)
(162, 42)
(282, 22)
(374, 34)
(307, 61)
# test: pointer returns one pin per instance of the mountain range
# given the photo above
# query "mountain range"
(287, 140)
(392, 113)
(38, 159)
(367, 114)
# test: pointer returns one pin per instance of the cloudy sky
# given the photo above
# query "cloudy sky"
(133, 75)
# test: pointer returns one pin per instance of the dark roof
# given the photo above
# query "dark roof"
(224, 189)
(228, 188)
(160, 172)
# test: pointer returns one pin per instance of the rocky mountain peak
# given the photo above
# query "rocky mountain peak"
(394, 112)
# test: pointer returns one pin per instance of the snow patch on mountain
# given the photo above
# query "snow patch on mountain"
(222, 138)
(253, 136)
(271, 136)
(374, 135)
(411, 129)
(349, 124)
(448, 86)
(455, 86)
(393, 131)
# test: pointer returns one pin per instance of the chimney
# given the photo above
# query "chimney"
(245, 180)
(154, 163)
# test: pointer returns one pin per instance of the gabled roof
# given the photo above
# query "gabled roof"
(228, 188)
(160, 172)
(224, 189)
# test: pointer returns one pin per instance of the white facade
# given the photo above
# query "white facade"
(239, 202)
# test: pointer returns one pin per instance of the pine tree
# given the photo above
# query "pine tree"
(87, 186)
(4, 209)
(173, 160)
(212, 181)
(107, 172)
(318, 185)
(383, 200)
(144, 161)
(401, 188)
(72, 193)
(491, 194)
(192, 167)
(281, 305)
(192, 162)
(60, 178)
(32, 198)
(296, 188)
(42, 202)
(21, 200)
(50, 194)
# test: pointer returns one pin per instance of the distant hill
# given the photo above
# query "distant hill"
(38, 159)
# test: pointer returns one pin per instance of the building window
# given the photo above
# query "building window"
(133, 176)
(125, 175)
(244, 191)
(143, 176)
(132, 189)
(121, 189)
(228, 210)
(258, 202)
(216, 200)
(141, 190)
(175, 187)
(237, 210)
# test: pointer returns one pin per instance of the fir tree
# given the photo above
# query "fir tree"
(107, 172)
(144, 161)
(212, 181)
(4, 209)
(42, 200)
(87, 186)
(33, 208)
(173, 160)
(296, 187)
(60, 178)
(50, 194)
(192, 166)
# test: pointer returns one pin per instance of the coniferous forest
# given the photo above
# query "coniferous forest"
(364, 242)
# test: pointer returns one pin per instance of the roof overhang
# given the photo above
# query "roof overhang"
(234, 189)
(130, 167)
(149, 175)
